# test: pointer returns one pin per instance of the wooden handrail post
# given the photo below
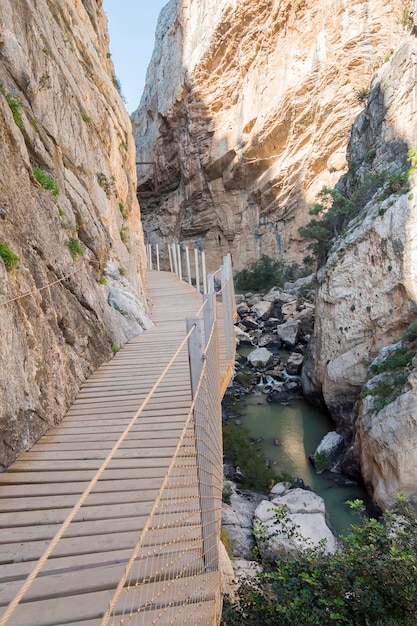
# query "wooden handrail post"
(204, 456)
(197, 270)
(227, 307)
(149, 255)
(187, 256)
(209, 314)
(158, 266)
(171, 268)
(195, 352)
(175, 258)
(179, 261)
(204, 271)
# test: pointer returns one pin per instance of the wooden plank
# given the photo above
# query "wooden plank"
(40, 490)
(49, 612)
(180, 560)
(29, 543)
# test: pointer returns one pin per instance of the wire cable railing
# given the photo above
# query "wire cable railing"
(172, 575)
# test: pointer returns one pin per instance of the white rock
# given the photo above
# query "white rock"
(260, 357)
(263, 309)
(279, 489)
(288, 332)
(305, 515)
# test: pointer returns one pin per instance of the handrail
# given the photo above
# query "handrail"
(29, 293)
(204, 418)
(64, 526)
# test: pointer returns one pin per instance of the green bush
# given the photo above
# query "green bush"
(398, 359)
(337, 211)
(10, 259)
(46, 181)
(264, 274)
(124, 232)
(411, 332)
(362, 96)
(252, 463)
(107, 184)
(412, 156)
(75, 247)
(371, 580)
(15, 106)
(123, 211)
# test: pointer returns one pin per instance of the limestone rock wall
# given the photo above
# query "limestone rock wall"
(60, 112)
(367, 295)
(247, 111)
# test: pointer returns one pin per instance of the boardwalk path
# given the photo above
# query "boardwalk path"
(40, 488)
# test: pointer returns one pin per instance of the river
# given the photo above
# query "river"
(298, 428)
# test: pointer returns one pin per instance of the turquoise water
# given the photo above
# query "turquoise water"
(299, 428)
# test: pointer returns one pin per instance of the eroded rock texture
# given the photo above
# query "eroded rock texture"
(247, 112)
(61, 113)
(367, 290)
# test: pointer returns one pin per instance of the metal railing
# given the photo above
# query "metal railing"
(173, 573)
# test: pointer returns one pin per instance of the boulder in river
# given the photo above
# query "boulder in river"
(288, 333)
(250, 323)
(262, 310)
(327, 452)
(260, 358)
(294, 363)
(289, 524)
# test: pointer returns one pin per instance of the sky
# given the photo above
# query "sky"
(132, 25)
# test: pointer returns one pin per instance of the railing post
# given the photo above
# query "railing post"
(227, 307)
(175, 259)
(210, 307)
(204, 271)
(187, 256)
(158, 267)
(195, 352)
(171, 268)
(197, 270)
(179, 261)
(204, 456)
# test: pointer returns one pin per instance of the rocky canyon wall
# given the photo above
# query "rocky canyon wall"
(367, 294)
(68, 213)
(247, 111)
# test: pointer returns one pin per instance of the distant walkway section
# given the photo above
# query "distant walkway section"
(113, 517)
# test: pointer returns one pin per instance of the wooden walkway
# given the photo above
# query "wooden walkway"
(41, 487)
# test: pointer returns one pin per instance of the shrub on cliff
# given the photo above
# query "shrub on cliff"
(266, 273)
(238, 450)
(371, 581)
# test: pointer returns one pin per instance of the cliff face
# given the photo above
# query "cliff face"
(247, 112)
(367, 294)
(68, 210)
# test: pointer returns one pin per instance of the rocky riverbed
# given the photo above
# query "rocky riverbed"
(273, 331)
(282, 319)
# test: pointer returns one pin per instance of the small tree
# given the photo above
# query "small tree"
(372, 580)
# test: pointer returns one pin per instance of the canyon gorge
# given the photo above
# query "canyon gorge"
(250, 109)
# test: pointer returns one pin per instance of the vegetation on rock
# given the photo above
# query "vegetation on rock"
(107, 184)
(14, 104)
(389, 373)
(266, 273)
(75, 247)
(46, 181)
(338, 210)
(372, 580)
(10, 259)
(238, 450)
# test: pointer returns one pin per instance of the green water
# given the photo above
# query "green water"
(299, 428)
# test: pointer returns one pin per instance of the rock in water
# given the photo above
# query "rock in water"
(300, 523)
